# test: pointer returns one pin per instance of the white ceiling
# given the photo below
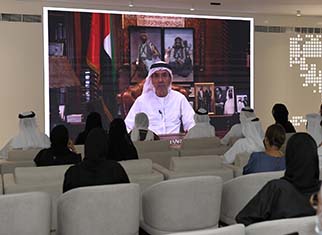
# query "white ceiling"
(270, 7)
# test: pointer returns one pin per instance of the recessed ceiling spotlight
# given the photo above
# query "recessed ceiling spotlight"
(131, 4)
(192, 9)
(298, 13)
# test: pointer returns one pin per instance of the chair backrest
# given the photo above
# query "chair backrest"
(23, 155)
(242, 159)
(140, 166)
(141, 172)
(215, 150)
(303, 225)
(162, 157)
(80, 149)
(152, 146)
(204, 142)
(40, 175)
(10, 166)
(183, 204)
(237, 229)
(25, 214)
(238, 192)
(108, 209)
(195, 163)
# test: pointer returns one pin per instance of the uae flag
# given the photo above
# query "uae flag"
(99, 51)
(100, 57)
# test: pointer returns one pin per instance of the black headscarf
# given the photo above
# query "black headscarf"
(302, 163)
(280, 113)
(121, 145)
(93, 120)
(59, 139)
(96, 145)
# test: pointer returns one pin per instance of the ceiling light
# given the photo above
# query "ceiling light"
(192, 8)
(131, 4)
(298, 13)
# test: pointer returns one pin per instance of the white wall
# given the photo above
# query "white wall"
(21, 64)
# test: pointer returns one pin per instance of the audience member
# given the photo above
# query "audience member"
(29, 136)
(141, 131)
(316, 202)
(59, 152)
(252, 141)
(280, 114)
(95, 169)
(121, 146)
(93, 120)
(313, 126)
(202, 128)
(235, 131)
(289, 196)
(272, 159)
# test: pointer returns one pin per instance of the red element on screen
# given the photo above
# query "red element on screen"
(99, 37)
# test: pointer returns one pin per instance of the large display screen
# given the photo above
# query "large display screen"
(98, 60)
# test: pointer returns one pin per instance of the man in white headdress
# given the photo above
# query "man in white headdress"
(202, 128)
(29, 136)
(229, 106)
(141, 131)
(235, 131)
(252, 141)
(313, 126)
(166, 108)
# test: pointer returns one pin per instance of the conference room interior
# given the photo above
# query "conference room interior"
(257, 50)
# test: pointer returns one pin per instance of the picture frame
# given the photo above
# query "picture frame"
(179, 53)
(205, 96)
(241, 102)
(145, 49)
(224, 100)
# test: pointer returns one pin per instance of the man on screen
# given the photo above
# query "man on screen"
(166, 108)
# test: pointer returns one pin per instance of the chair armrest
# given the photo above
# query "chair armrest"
(164, 171)
(238, 171)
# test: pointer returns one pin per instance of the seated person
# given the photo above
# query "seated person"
(59, 152)
(316, 202)
(28, 137)
(93, 120)
(272, 158)
(252, 141)
(120, 144)
(141, 131)
(287, 197)
(314, 126)
(202, 128)
(235, 131)
(95, 169)
(167, 109)
(280, 114)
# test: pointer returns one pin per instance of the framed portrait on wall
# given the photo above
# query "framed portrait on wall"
(145, 49)
(224, 100)
(242, 102)
(204, 96)
(178, 53)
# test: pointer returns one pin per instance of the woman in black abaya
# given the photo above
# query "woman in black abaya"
(95, 169)
(289, 196)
